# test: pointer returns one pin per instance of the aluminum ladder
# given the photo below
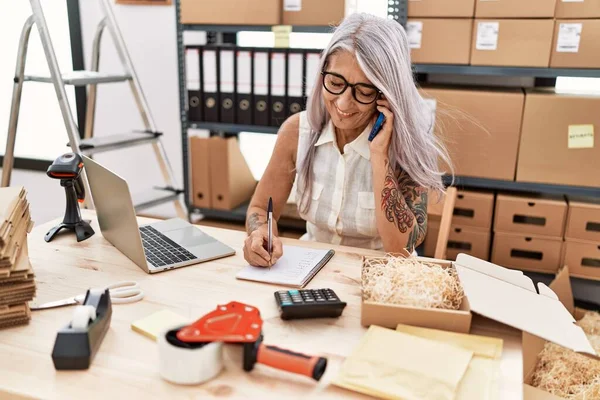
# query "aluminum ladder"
(90, 144)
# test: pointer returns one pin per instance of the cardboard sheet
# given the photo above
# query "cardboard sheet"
(481, 378)
(395, 365)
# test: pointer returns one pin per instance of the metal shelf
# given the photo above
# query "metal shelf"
(530, 187)
(234, 128)
(255, 28)
(505, 71)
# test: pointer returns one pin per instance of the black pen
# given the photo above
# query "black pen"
(270, 230)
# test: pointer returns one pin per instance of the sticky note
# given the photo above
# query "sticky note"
(282, 35)
(581, 136)
(152, 325)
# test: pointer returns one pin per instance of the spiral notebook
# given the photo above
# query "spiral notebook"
(296, 268)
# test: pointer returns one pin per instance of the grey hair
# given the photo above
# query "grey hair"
(381, 48)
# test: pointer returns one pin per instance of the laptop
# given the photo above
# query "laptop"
(154, 247)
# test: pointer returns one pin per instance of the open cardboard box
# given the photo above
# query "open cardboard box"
(533, 345)
(390, 315)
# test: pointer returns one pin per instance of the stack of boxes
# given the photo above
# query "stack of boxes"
(263, 12)
(470, 232)
(581, 251)
(517, 33)
(528, 232)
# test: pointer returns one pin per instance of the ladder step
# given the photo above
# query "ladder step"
(117, 141)
(82, 78)
(154, 197)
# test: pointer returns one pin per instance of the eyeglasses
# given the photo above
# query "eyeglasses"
(337, 84)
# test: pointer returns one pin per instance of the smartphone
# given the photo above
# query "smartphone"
(377, 127)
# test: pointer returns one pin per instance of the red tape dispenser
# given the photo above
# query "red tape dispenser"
(240, 323)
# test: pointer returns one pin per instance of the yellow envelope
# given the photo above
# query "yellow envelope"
(481, 379)
(395, 365)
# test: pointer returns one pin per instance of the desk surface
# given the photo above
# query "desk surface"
(126, 364)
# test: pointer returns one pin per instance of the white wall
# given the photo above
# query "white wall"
(150, 34)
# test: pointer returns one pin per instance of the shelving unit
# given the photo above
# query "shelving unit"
(397, 10)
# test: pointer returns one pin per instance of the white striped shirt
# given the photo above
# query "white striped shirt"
(342, 207)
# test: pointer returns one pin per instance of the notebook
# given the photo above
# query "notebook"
(295, 268)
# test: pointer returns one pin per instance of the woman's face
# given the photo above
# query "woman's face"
(345, 111)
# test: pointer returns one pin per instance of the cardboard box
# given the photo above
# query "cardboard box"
(439, 41)
(527, 253)
(537, 215)
(231, 12)
(583, 220)
(576, 44)
(577, 9)
(390, 315)
(583, 259)
(232, 182)
(515, 8)
(480, 129)
(468, 240)
(473, 209)
(571, 150)
(313, 12)
(200, 161)
(512, 42)
(510, 297)
(533, 345)
(441, 8)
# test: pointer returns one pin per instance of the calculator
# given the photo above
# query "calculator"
(309, 303)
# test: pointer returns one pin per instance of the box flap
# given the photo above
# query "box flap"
(532, 393)
(561, 285)
(507, 297)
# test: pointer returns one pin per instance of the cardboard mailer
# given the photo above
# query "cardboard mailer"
(527, 252)
(440, 41)
(231, 180)
(201, 195)
(441, 8)
(524, 215)
(515, 9)
(512, 42)
(510, 297)
(575, 43)
(473, 209)
(313, 12)
(583, 220)
(583, 259)
(462, 239)
(577, 9)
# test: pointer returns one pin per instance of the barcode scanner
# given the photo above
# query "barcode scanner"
(68, 168)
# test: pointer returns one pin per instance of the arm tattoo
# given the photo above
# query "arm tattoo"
(404, 201)
(395, 208)
(416, 199)
(253, 223)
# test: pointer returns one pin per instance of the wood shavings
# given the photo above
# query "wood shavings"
(410, 282)
(567, 374)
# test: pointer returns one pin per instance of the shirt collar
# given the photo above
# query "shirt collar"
(360, 145)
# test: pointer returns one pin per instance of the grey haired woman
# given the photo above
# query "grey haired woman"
(352, 191)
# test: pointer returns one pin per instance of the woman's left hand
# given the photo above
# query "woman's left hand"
(381, 143)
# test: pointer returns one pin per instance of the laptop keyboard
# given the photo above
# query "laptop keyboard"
(160, 250)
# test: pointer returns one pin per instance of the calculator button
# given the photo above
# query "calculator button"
(293, 292)
(320, 299)
(286, 303)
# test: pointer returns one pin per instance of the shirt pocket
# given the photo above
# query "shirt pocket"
(315, 197)
(365, 214)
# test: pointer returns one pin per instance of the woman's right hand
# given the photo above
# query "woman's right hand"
(255, 249)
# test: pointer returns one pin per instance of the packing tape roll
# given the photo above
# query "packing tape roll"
(188, 363)
(81, 317)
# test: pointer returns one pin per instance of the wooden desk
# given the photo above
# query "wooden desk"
(126, 364)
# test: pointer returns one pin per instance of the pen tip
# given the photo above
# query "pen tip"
(270, 203)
